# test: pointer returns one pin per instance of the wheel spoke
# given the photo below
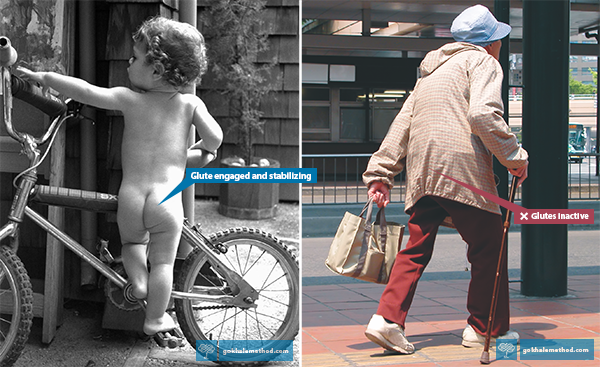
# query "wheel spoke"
(258, 325)
(245, 270)
(255, 261)
(237, 255)
(275, 300)
(273, 282)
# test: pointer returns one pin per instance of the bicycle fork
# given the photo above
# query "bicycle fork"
(17, 209)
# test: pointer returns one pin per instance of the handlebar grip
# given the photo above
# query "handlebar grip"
(8, 55)
(27, 92)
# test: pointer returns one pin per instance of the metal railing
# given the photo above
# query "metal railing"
(339, 179)
(582, 179)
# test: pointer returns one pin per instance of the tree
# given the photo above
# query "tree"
(577, 87)
(236, 38)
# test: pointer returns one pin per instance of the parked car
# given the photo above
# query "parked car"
(572, 154)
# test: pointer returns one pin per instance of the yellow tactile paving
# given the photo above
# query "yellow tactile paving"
(369, 358)
(451, 353)
(379, 359)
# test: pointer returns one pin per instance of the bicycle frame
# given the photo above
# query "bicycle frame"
(245, 295)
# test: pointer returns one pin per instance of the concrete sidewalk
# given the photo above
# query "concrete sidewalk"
(337, 309)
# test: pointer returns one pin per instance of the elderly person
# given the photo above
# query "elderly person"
(451, 124)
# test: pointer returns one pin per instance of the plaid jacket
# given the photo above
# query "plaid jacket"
(452, 123)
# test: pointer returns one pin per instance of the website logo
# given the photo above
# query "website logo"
(507, 349)
(244, 350)
(557, 349)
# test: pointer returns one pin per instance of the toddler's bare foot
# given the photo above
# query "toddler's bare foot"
(164, 323)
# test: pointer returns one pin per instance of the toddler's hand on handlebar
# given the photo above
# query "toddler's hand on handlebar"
(27, 74)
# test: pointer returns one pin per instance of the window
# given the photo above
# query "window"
(587, 71)
(316, 125)
(352, 95)
(382, 119)
(315, 94)
(338, 114)
(353, 124)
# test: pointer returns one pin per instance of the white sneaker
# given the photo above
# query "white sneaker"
(471, 338)
(389, 336)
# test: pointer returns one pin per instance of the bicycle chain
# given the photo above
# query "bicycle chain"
(214, 307)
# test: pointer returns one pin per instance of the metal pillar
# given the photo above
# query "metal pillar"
(545, 133)
(595, 35)
(502, 13)
(87, 71)
(188, 13)
(366, 19)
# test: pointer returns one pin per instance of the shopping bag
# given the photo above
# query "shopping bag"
(365, 250)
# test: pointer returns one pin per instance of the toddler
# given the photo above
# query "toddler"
(167, 56)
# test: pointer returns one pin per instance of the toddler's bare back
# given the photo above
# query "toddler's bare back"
(155, 139)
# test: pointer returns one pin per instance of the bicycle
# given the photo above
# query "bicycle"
(236, 284)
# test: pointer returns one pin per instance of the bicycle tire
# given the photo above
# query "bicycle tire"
(16, 307)
(276, 316)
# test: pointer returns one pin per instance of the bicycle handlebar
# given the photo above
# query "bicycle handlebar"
(8, 55)
(45, 102)
(26, 91)
(12, 85)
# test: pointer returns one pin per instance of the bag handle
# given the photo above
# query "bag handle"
(367, 208)
(382, 238)
(367, 234)
(383, 226)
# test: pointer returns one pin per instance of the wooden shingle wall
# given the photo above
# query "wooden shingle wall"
(280, 139)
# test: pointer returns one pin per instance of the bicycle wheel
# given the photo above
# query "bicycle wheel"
(16, 307)
(267, 265)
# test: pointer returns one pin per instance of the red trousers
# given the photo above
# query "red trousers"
(482, 231)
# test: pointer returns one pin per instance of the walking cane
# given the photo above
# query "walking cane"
(485, 355)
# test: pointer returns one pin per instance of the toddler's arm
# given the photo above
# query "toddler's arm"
(80, 90)
(205, 150)
(198, 157)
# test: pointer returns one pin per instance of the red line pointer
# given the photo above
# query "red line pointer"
(503, 203)
(538, 216)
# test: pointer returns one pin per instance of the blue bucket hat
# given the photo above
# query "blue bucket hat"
(478, 26)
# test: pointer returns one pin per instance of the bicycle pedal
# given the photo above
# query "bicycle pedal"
(169, 339)
(103, 253)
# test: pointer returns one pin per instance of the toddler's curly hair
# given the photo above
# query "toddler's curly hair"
(177, 49)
